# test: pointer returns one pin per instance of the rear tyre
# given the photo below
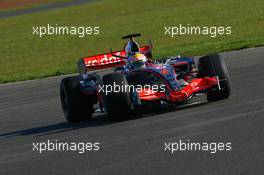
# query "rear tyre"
(75, 105)
(214, 65)
(117, 103)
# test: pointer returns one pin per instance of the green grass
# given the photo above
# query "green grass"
(25, 56)
(34, 5)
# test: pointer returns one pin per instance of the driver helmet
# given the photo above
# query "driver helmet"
(137, 61)
(132, 47)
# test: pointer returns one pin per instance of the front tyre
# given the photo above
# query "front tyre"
(214, 65)
(75, 105)
(117, 103)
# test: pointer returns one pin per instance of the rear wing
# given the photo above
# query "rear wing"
(104, 61)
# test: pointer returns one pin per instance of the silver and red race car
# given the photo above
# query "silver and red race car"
(123, 89)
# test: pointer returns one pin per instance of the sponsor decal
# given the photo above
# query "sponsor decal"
(104, 59)
(108, 58)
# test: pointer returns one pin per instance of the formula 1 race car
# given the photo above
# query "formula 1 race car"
(134, 80)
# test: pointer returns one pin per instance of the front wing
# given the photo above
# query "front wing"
(197, 85)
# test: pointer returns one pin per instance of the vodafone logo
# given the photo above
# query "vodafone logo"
(105, 59)
(193, 84)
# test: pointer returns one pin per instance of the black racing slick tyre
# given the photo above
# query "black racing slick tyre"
(214, 65)
(117, 103)
(75, 105)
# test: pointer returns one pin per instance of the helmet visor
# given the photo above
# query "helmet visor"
(138, 65)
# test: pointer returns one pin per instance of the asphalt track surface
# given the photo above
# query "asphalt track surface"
(30, 112)
(41, 8)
